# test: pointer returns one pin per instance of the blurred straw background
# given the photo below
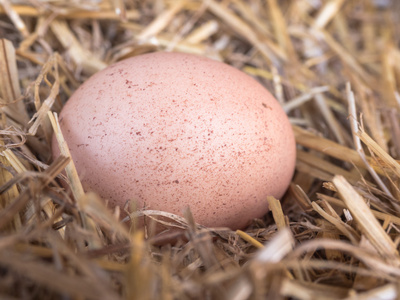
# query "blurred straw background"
(334, 67)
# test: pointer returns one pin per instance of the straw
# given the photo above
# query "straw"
(333, 67)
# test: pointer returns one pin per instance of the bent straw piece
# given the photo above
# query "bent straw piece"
(249, 239)
(301, 197)
(382, 265)
(344, 228)
(43, 108)
(367, 222)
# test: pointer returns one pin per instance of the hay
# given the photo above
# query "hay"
(333, 66)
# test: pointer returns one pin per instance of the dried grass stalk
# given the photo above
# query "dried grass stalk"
(276, 208)
(369, 226)
(81, 57)
(10, 91)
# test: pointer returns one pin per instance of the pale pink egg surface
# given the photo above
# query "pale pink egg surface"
(170, 130)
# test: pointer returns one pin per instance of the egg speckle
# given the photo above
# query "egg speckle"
(170, 130)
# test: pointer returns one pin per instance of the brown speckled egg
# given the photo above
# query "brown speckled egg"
(170, 130)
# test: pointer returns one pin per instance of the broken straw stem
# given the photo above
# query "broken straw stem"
(72, 174)
(357, 141)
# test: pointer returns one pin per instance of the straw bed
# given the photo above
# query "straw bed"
(334, 67)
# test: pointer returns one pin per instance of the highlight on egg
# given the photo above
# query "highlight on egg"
(171, 130)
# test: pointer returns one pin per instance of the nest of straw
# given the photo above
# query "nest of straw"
(333, 66)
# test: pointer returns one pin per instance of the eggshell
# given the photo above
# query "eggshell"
(170, 130)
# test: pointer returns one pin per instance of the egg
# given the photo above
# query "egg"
(173, 130)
